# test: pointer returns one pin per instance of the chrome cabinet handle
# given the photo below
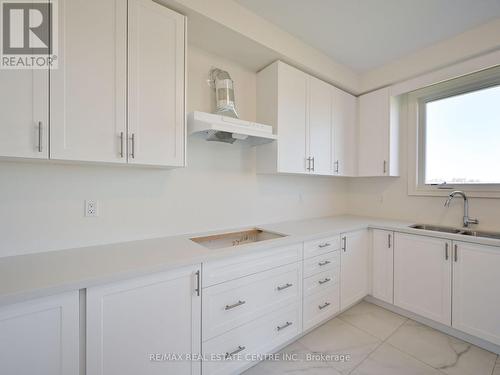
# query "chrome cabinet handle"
(456, 253)
(240, 349)
(40, 146)
(326, 304)
(308, 168)
(385, 166)
(198, 283)
(286, 325)
(389, 240)
(337, 166)
(344, 244)
(313, 163)
(446, 245)
(121, 144)
(239, 303)
(283, 287)
(132, 152)
(321, 282)
(324, 263)
(326, 244)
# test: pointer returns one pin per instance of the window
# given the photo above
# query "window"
(454, 136)
(462, 138)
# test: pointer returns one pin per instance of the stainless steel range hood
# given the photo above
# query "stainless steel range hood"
(218, 128)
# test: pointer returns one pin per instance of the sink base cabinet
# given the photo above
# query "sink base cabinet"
(130, 322)
(422, 276)
(476, 290)
(40, 336)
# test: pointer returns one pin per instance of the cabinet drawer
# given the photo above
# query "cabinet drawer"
(259, 336)
(321, 306)
(321, 281)
(322, 246)
(328, 261)
(231, 304)
(216, 272)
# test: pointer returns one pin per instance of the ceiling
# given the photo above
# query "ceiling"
(366, 34)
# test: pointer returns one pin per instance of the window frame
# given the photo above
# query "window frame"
(417, 101)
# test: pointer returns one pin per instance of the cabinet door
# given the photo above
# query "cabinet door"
(374, 132)
(353, 268)
(344, 152)
(24, 113)
(156, 115)
(382, 265)
(422, 276)
(476, 290)
(129, 321)
(88, 89)
(320, 127)
(292, 99)
(40, 336)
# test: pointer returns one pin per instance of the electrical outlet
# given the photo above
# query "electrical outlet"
(91, 208)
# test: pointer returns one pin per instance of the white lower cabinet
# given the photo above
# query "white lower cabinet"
(354, 268)
(383, 265)
(40, 336)
(234, 350)
(476, 290)
(130, 322)
(422, 276)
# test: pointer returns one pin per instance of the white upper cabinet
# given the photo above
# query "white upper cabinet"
(344, 133)
(422, 276)
(129, 321)
(319, 135)
(354, 267)
(156, 117)
(282, 103)
(476, 290)
(88, 89)
(378, 134)
(24, 114)
(382, 265)
(41, 336)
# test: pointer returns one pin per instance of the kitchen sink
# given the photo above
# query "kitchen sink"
(231, 239)
(436, 228)
(464, 232)
(473, 233)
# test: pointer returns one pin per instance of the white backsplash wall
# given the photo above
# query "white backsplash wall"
(388, 197)
(42, 205)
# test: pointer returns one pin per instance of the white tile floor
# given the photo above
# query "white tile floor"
(378, 341)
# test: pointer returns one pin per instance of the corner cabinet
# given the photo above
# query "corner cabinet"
(41, 336)
(117, 95)
(132, 326)
(354, 267)
(378, 141)
(383, 265)
(311, 119)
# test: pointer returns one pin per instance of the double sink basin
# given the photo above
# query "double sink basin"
(463, 232)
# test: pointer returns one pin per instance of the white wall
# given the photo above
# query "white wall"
(42, 204)
(388, 197)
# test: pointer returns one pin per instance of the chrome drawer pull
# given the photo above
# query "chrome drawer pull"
(239, 303)
(326, 304)
(324, 263)
(240, 349)
(283, 287)
(287, 324)
(324, 281)
(326, 244)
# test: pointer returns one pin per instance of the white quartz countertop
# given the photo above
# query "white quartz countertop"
(36, 275)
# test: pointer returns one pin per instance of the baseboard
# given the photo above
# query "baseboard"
(438, 326)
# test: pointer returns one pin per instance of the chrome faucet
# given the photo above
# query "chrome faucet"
(467, 220)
